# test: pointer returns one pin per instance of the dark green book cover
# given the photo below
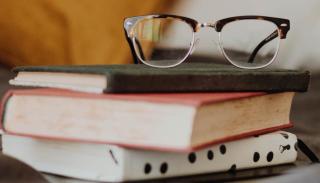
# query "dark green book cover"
(188, 77)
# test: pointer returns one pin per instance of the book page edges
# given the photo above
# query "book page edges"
(75, 81)
(192, 99)
(259, 112)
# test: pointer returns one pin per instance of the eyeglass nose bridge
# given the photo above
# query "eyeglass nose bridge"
(206, 24)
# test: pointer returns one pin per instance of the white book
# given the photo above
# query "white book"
(100, 162)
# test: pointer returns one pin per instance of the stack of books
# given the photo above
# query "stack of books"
(133, 122)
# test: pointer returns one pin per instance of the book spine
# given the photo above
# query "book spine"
(3, 104)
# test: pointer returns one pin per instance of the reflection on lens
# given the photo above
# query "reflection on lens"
(162, 42)
(250, 43)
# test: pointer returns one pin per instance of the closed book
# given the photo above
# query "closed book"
(172, 121)
(188, 77)
(102, 162)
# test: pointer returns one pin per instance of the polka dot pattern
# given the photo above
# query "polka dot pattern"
(164, 168)
(223, 149)
(192, 157)
(147, 168)
(256, 157)
(270, 156)
(222, 153)
(210, 155)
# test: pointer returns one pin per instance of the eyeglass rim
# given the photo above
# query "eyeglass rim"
(233, 62)
(179, 61)
(168, 66)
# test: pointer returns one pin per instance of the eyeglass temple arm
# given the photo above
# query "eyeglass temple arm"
(133, 53)
(273, 35)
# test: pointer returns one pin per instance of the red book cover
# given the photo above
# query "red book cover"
(193, 99)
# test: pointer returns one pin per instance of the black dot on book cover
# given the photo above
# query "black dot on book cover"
(223, 149)
(233, 168)
(270, 156)
(192, 157)
(164, 168)
(256, 157)
(210, 155)
(147, 168)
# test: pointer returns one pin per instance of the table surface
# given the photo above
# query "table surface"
(304, 114)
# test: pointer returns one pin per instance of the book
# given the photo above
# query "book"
(102, 162)
(173, 122)
(187, 77)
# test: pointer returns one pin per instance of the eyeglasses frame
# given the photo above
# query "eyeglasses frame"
(283, 26)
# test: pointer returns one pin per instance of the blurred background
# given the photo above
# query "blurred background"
(44, 32)
(55, 32)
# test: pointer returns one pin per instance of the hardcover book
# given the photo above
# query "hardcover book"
(187, 77)
(101, 162)
(173, 122)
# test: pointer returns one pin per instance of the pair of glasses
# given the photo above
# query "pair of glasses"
(164, 41)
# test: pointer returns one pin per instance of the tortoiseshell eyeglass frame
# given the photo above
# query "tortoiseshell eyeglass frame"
(283, 26)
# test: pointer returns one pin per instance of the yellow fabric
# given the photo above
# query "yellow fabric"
(45, 32)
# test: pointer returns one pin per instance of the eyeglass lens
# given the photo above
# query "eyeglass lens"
(162, 41)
